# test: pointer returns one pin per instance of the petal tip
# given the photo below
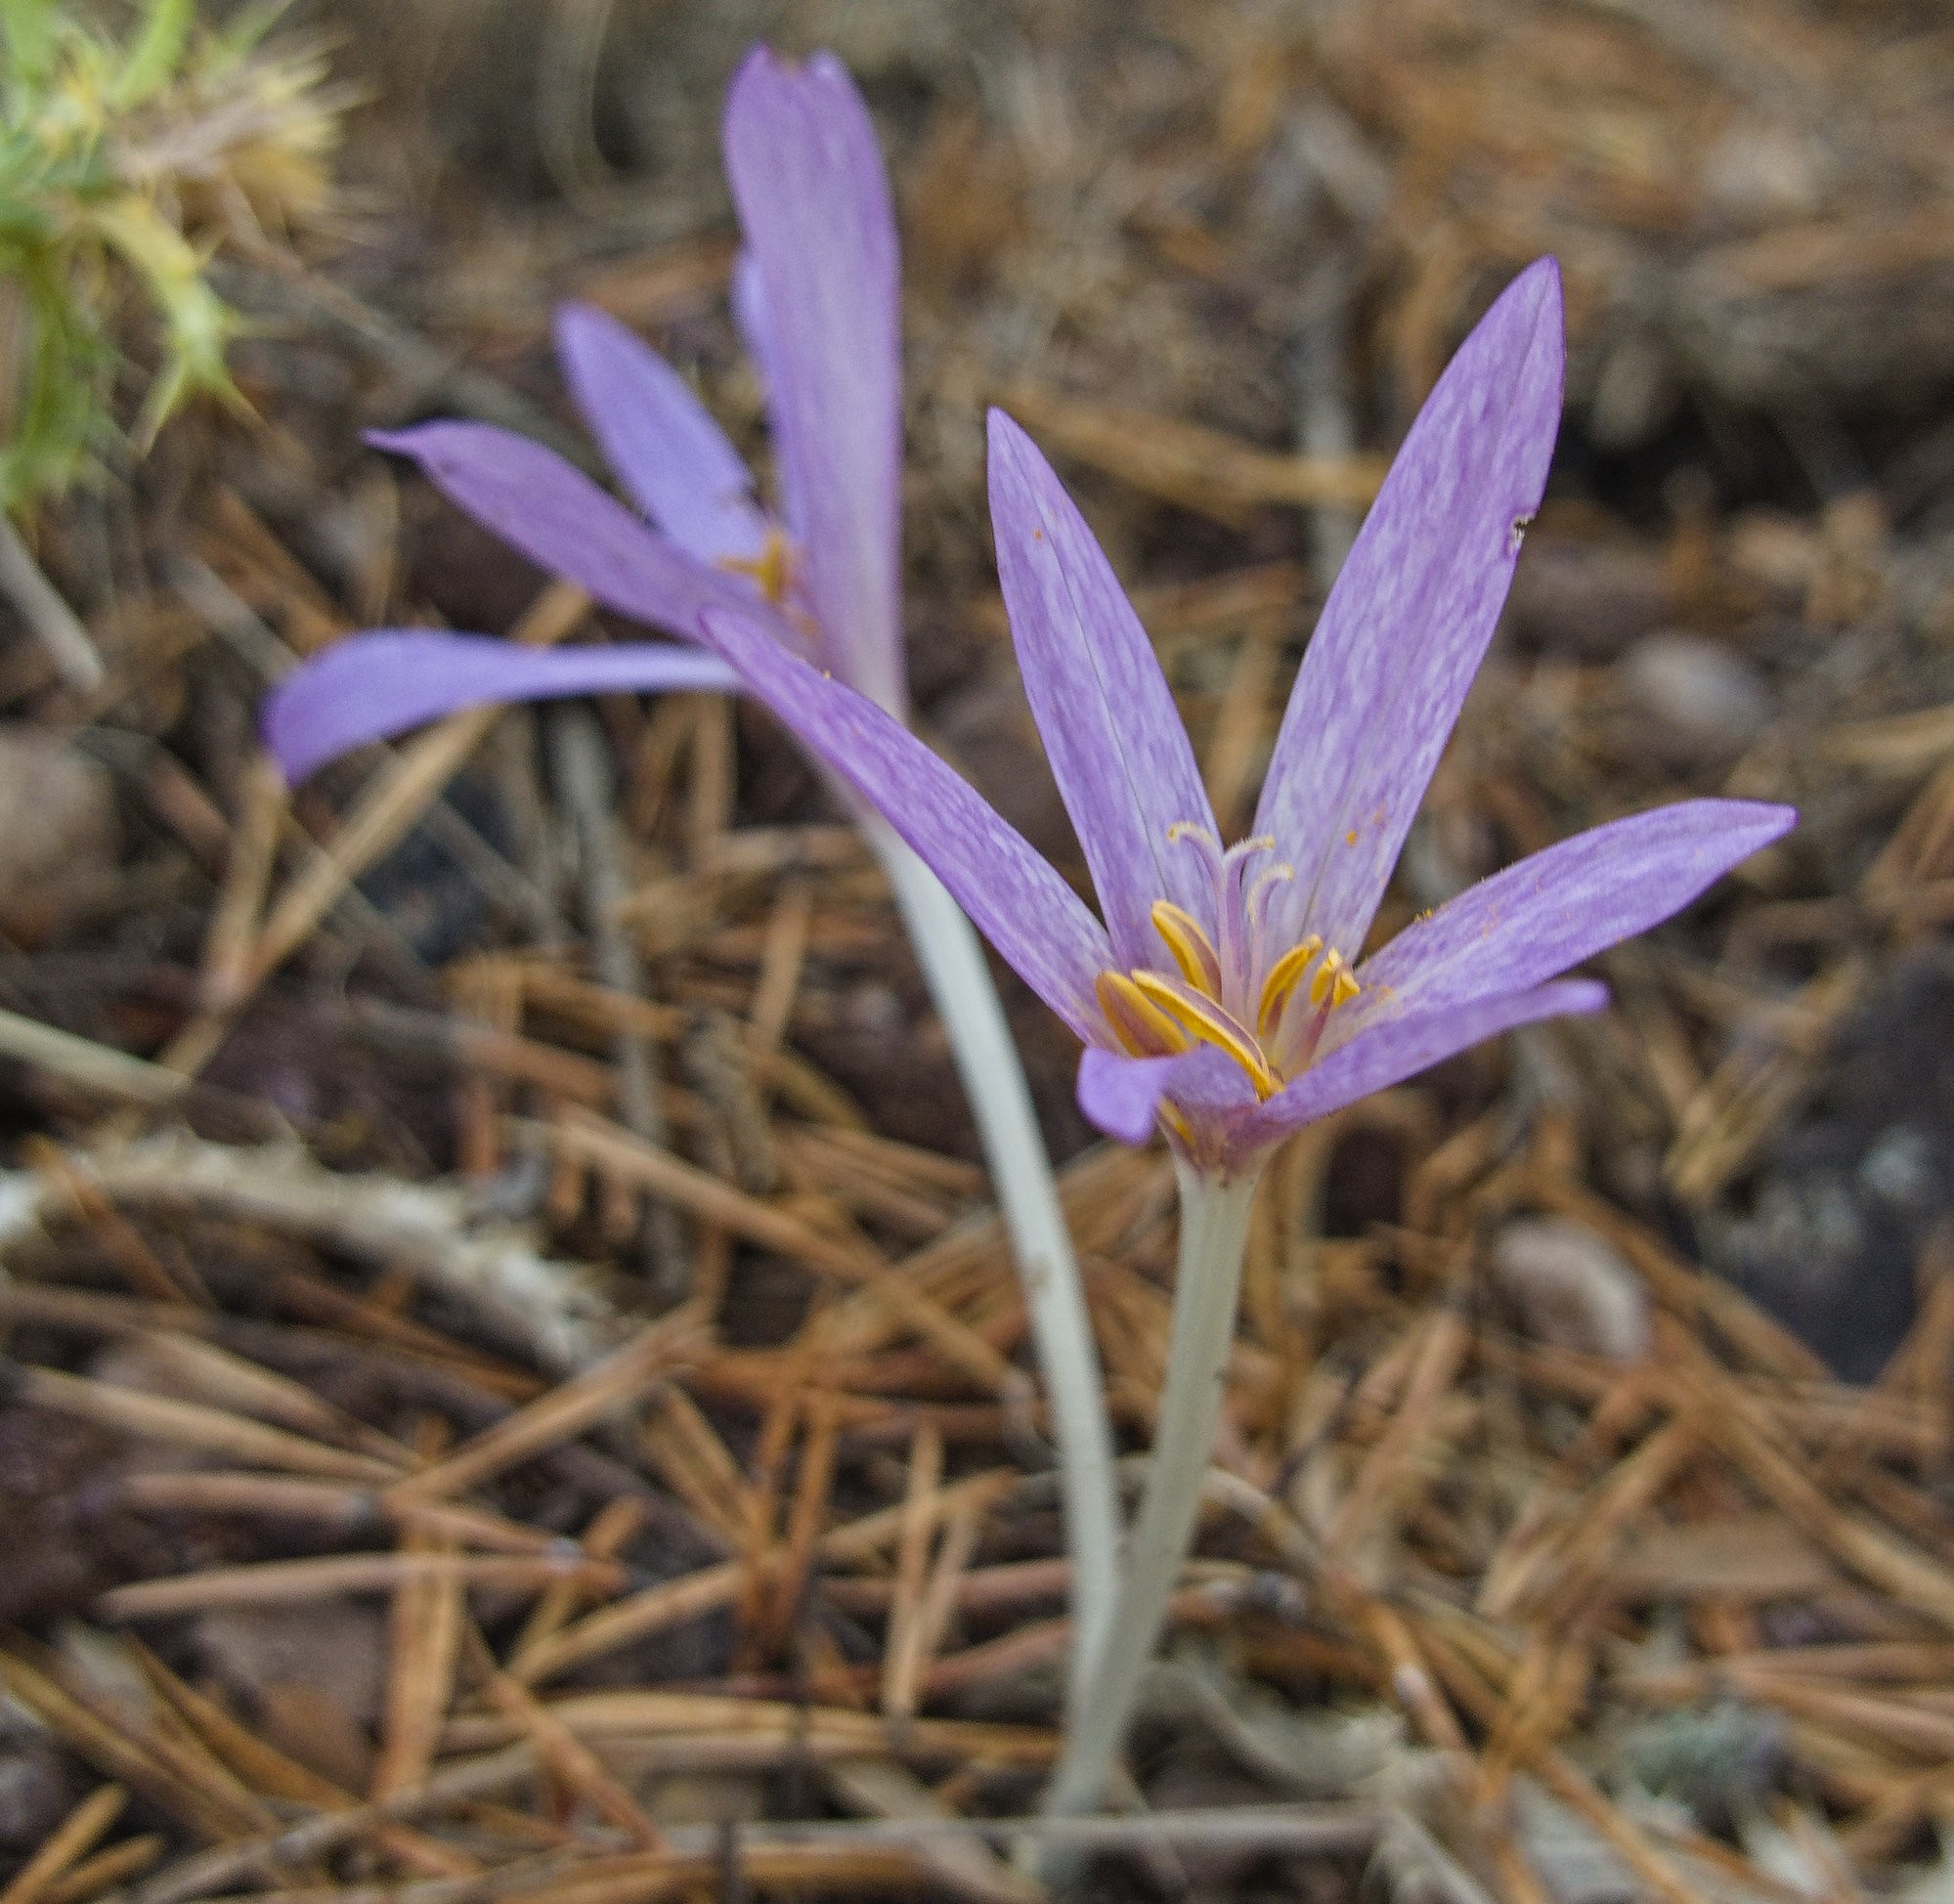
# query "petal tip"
(829, 69)
(1541, 279)
(573, 324)
(1120, 1096)
(1002, 429)
(757, 65)
(765, 81)
(1748, 826)
(1522, 342)
(1019, 475)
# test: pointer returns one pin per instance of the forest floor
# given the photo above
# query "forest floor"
(427, 1477)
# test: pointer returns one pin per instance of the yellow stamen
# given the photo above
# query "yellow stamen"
(1137, 1023)
(1193, 951)
(1332, 984)
(772, 569)
(1281, 980)
(1208, 1023)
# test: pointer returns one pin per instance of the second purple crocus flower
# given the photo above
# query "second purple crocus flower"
(817, 296)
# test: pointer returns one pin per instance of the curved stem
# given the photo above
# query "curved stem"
(993, 1078)
(1214, 1233)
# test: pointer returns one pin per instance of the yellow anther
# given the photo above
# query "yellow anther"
(1188, 828)
(1281, 980)
(1193, 951)
(1137, 1023)
(1332, 984)
(1208, 1023)
(772, 569)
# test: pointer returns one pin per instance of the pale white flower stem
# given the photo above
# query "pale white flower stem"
(1214, 1234)
(1062, 1336)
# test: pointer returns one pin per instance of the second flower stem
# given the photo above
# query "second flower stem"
(993, 1079)
(1214, 1233)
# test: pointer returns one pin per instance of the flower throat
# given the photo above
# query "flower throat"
(1268, 1013)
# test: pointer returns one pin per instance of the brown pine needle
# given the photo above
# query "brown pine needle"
(71, 1841)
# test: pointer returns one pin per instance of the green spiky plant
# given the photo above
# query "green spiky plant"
(128, 160)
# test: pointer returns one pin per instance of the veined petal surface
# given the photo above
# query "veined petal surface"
(566, 525)
(1039, 925)
(1409, 618)
(1388, 1053)
(1122, 1096)
(1115, 738)
(814, 199)
(1546, 913)
(748, 299)
(372, 686)
(672, 458)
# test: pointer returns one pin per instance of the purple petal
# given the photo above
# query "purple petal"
(750, 315)
(369, 687)
(1036, 922)
(1409, 619)
(1546, 915)
(566, 525)
(672, 458)
(1388, 1053)
(813, 201)
(1110, 728)
(1120, 1096)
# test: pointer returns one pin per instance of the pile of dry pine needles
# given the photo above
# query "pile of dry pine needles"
(519, 1393)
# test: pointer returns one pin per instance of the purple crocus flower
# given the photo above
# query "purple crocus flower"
(1225, 994)
(816, 294)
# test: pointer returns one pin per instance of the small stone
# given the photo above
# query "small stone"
(1901, 1168)
(1777, 553)
(40, 1786)
(706, 1796)
(1587, 600)
(1571, 1288)
(313, 1678)
(58, 833)
(1760, 173)
(1707, 704)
